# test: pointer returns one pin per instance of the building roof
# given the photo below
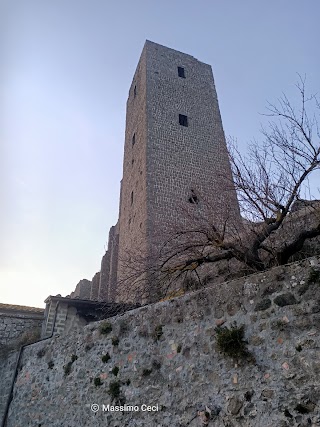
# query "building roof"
(10, 307)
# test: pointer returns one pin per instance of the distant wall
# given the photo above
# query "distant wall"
(166, 355)
(82, 290)
(15, 322)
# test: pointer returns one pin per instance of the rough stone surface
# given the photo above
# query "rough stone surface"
(174, 362)
(18, 326)
(263, 305)
(83, 290)
(285, 299)
(7, 366)
(94, 292)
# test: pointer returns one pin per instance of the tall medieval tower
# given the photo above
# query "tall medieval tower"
(175, 153)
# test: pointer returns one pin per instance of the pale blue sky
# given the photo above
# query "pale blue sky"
(66, 67)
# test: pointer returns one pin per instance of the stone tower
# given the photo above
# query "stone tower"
(174, 154)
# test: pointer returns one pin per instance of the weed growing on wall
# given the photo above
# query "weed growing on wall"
(156, 364)
(105, 328)
(231, 342)
(146, 372)
(115, 370)
(114, 390)
(105, 358)
(157, 333)
(97, 382)
(67, 367)
(115, 341)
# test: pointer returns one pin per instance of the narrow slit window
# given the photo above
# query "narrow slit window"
(193, 198)
(134, 139)
(132, 197)
(135, 91)
(183, 120)
(181, 72)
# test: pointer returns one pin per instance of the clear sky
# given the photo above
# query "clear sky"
(66, 67)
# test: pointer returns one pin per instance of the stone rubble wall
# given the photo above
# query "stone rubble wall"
(13, 326)
(7, 368)
(166, 355)
(16, 329)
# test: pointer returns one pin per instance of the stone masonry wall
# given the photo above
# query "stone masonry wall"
(17, 327)
(95, 287)
(13, 326)
(7, 367)
(166, 356)
(133, 196)
(184, 158)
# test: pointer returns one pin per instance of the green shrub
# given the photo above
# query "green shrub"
(157, 333)
(105, 328)
(146, 372)
(115, 370)
(114, 390)
(67, 368)
(115, 341)
(230, 341)
(105, 358)
(97, 381)
(156, 364)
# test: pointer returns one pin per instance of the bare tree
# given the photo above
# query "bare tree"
(269, 179)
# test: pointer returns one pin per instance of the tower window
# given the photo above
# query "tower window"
(181, 72)
(193, 198)
(183, 120)
(134, 139)
(135, 91)
(131, 197)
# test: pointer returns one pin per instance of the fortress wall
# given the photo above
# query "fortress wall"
(95, 287)
(167, 355)
(7, 367)
(14, 325)
(17, 327)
